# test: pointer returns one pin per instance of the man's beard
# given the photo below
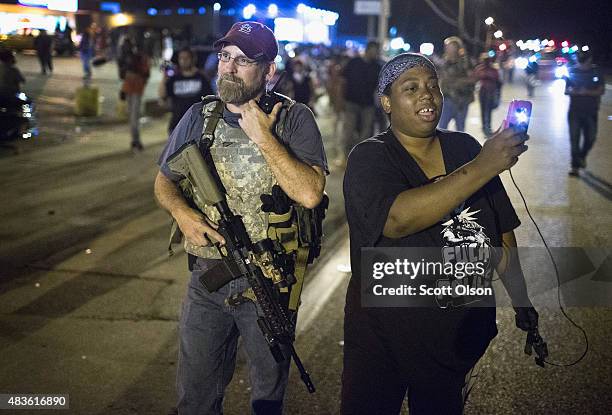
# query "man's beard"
(233, 90)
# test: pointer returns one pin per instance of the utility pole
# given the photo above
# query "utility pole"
(385, 8)
(371, 27)
(461, 19)
(477, 24)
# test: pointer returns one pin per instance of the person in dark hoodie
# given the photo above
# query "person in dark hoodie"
(43, 44)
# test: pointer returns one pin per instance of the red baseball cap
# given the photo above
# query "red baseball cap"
(255, 39)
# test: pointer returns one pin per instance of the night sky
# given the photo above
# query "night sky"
(582, 21)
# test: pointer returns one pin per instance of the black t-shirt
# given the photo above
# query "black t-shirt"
(301, 89)
(361, 80)
(186, 91)
(591, 79)
(378, 170)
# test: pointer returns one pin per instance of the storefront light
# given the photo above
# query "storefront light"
(121, 19)
(316, 32)
(59, 5)
(288, 29)
(328, 17)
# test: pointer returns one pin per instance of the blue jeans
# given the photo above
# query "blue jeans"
(209, 331)
(451, 110)
(86, 61)
(133, 102)
(486, 108)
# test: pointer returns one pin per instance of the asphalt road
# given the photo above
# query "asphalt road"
(89, 299)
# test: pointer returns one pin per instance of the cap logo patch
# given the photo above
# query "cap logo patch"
(245, 28)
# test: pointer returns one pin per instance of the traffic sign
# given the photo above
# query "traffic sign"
(367, 7)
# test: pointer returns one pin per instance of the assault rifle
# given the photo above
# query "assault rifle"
(256, 261)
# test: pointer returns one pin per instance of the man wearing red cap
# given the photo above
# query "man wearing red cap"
(252, 152)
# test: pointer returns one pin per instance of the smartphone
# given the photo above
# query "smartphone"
(519, 114)
(270, 98)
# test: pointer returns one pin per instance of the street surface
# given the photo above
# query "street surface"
(89, 299)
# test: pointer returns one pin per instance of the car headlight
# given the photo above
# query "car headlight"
(521, 63)
(561, 72)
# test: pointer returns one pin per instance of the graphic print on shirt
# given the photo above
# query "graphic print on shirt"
(187, 87)
(465, 242)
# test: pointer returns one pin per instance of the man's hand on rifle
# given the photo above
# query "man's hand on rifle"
(197, 229)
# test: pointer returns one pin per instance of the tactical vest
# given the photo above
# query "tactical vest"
(243, 172)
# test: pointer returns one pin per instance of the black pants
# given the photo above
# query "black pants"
(581, 124)
(46, 62)
(384, 361)
(374, 384)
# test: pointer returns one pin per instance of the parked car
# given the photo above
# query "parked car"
(551, 64)
(17, 41)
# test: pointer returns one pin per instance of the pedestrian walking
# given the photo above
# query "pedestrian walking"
(531, 76)
(86, 50)
(361, 76)
(456, 82)
(43, 44)
(334, 86)
(183, 87)
(585, 85)
(489, 92)
(252, 151)
(301, 84)
(137, 69)
(418, 186)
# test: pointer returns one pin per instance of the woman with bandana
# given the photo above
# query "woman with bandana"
(402, 188)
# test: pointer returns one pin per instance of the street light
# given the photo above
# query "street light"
(216, 8)
(272, 10)
(488, 21)
(397, 43)
(248, 11)
(498, 34)
(426, 49)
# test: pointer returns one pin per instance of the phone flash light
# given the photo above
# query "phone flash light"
(521, 116)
